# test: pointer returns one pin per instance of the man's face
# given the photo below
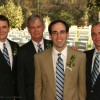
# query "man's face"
(36, 29)
(59, 36)
(4, 29)
(96, 36)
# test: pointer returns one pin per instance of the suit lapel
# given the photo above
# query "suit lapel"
(3, 60)
(31, 47)
(89, 56)
(68, 72)
(12, 48)
(1, 56)
(50, 71)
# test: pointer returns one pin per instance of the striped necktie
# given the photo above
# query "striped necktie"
(59, 78)
(95, 71)
(39, 48)
(5, 54)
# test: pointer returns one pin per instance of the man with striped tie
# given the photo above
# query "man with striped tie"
(93, 65)
(60, 71)
(8, 50)
(25, 62)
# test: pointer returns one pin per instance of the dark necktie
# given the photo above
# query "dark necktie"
(95, 71)
(39, 48)
(5, 53)
(59, 78)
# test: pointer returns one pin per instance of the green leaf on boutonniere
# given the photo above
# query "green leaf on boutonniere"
(48, 45)
(71, 63)
(15, 51)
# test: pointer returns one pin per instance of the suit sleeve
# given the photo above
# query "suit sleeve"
(82, 78)
(38, 79)
(21, 77)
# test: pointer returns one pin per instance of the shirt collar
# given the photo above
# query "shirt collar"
(63, 52)
(96, 51)
(1, 44)
(35, 43)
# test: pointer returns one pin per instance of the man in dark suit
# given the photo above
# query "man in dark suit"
(7, 66)
(60, 71)
(26, 57)
(93, 88)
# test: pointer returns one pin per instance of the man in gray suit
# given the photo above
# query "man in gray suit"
(60, 78)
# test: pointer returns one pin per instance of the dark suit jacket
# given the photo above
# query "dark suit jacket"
(26, 70)
(8, 76)
(93, 93)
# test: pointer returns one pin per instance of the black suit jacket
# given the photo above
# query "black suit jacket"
(26, 70)
(8, 76)
(93, 92)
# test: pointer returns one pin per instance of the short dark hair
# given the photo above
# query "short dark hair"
(34, 17)
(57, 21)
(95, 24)
(4, 18)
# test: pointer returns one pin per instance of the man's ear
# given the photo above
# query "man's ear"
(50, 37)
(67, 35)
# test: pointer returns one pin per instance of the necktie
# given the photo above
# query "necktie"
(39, 48)
(95, 71)
(5, 53)
(59, 78)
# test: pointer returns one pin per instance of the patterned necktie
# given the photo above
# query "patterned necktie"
(39, 48)
(5, 53)
(95, 71)
(59, 78)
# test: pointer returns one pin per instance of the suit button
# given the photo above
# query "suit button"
(91, 91)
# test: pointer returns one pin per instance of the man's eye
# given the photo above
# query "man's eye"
(39, 26)
(54, 32)
(63, 31)
(4, 26)
(93, 34)
(31, 27)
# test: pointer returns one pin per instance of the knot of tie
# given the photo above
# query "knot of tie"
(39, 48)
(98, 53)
(59, 54)
(4, 45)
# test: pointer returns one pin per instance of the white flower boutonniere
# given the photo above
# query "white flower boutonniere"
(71, 63)
(15, 51)
(48, 45)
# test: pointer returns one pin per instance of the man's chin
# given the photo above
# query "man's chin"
(97, 45)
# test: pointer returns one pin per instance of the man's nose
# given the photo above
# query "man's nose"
(0, 29)
(58, 34)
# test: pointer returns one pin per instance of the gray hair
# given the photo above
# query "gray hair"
(34, 17)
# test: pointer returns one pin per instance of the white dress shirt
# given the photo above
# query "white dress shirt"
(36, 45)
(55, 56)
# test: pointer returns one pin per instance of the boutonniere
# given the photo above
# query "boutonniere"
(71, 63)
(48, 45)
(15, 51)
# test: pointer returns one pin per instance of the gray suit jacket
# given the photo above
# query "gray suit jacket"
(75, 79)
